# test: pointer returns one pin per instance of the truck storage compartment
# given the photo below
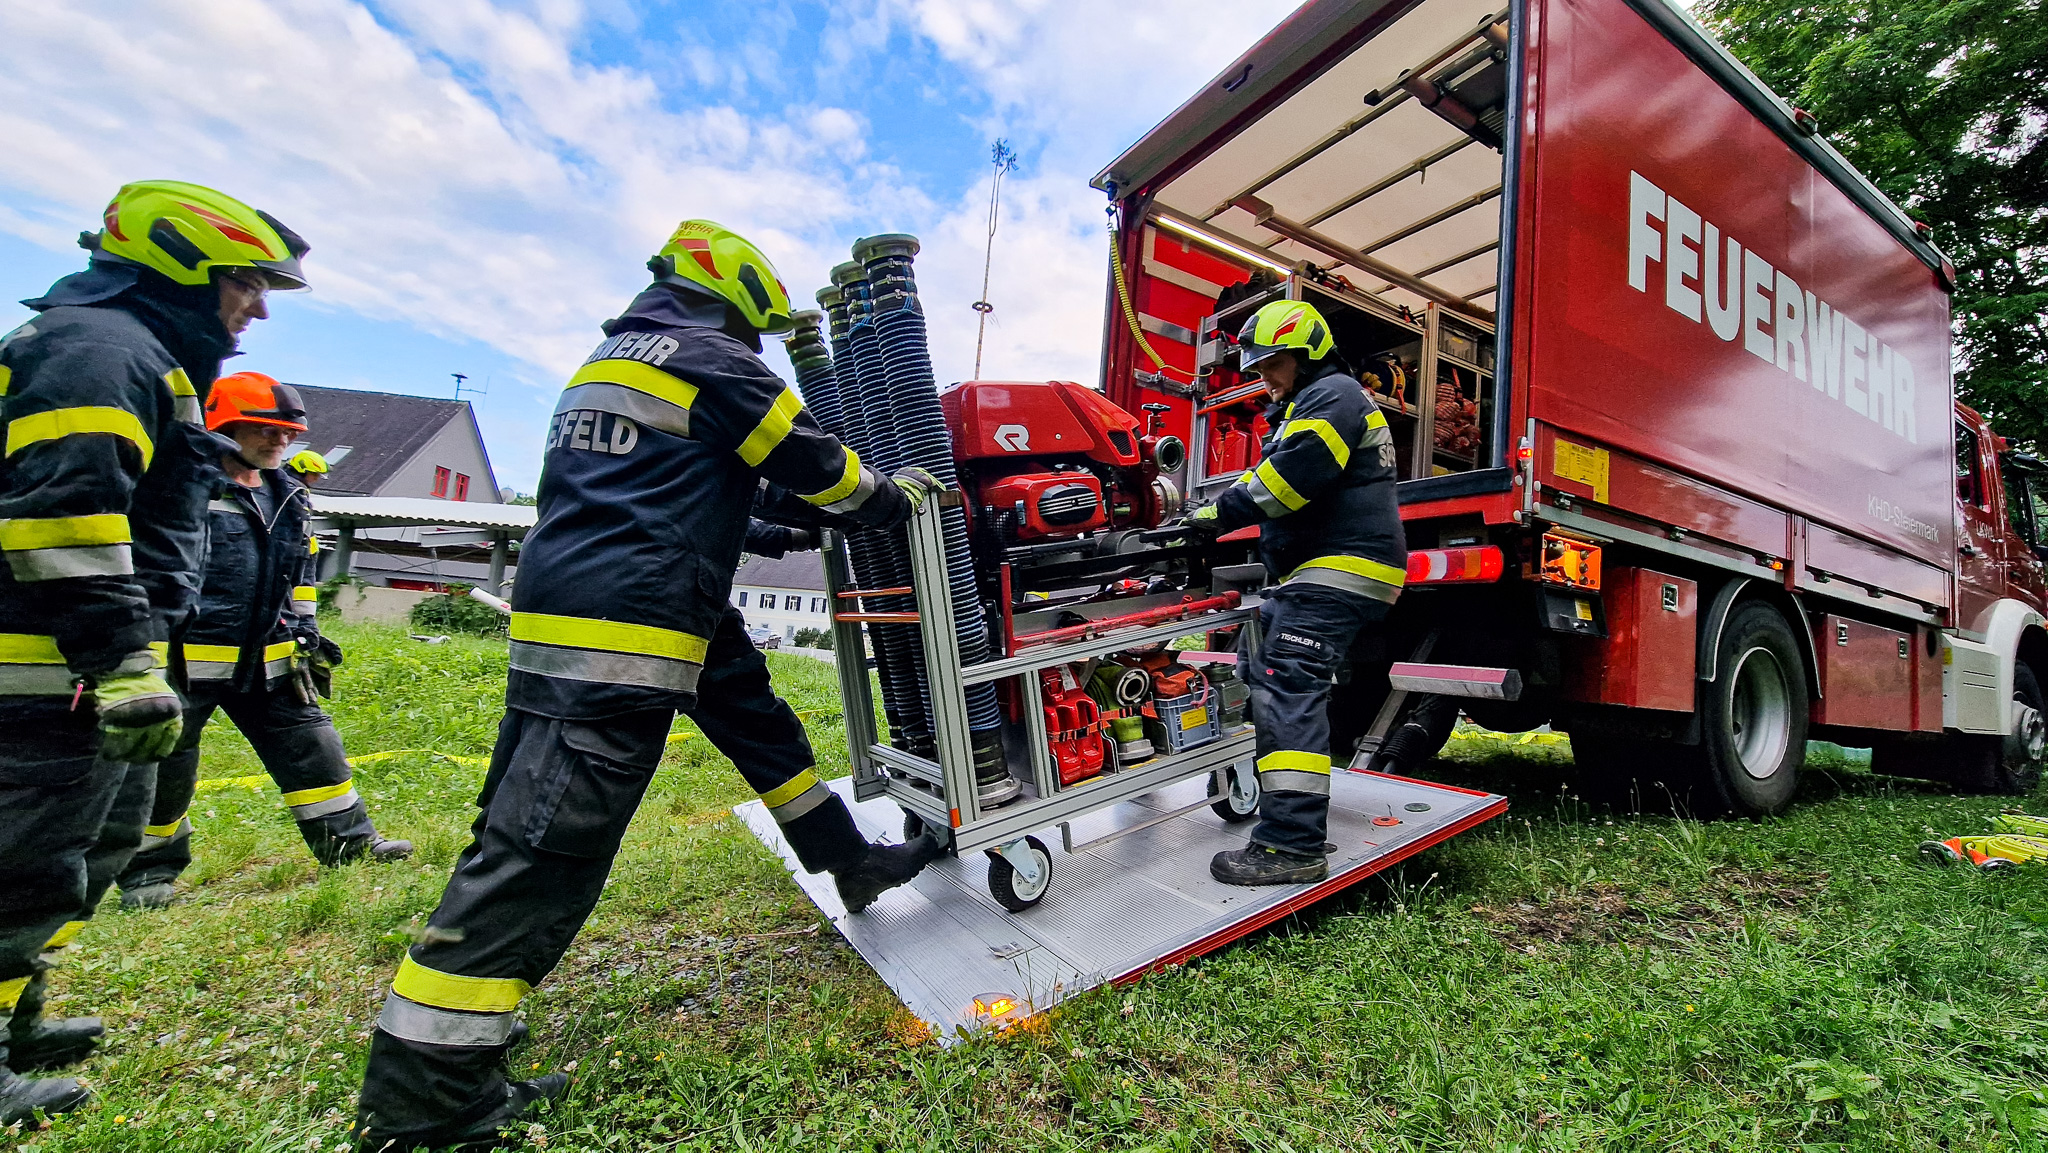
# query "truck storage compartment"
(1369, 184)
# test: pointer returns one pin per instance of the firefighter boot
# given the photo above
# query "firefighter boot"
(881, 868)
(386, 849)
(155, 895)
(1257, 864)
(21, 1097)
(481, 1135)
(36, 1042)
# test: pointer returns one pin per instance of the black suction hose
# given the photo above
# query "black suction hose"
(891, 549)
(818, 380)
(922, 439)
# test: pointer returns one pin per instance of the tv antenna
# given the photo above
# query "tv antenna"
(462, 387)
(1004, 158)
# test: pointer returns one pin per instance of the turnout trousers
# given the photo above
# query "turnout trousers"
(68, 823)
(554, 808)
(1306, 632)
(300, 750)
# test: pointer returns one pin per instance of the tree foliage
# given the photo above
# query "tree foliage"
(1944, 104)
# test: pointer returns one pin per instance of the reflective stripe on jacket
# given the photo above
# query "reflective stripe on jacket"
(103, 487)
(1323, 491)
(651, 468)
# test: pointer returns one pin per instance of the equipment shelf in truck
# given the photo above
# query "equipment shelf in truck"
(1118, 908)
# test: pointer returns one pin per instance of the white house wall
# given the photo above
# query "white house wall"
(459, 448)
(779, 618)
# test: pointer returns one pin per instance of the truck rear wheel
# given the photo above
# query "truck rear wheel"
(1753, 716)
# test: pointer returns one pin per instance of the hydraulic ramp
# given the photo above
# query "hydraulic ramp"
(1132, 894)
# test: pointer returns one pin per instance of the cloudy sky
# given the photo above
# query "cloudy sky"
(481, 182)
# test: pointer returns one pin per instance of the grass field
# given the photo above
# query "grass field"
(1559, 979)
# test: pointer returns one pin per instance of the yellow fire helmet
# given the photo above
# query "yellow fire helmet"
(185, 231)
(711, 257)
(1282, 325)
(307, 461)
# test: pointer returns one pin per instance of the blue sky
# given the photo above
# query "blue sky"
(482, 181)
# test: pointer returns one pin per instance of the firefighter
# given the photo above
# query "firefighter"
(1330, 529)
(254, 650)
(307, 467)
(619, 619)
(103, 490)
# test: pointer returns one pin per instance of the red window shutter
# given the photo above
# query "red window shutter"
(461, 486)
(440, 482)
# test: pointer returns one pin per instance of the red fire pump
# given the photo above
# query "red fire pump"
(1050, 459)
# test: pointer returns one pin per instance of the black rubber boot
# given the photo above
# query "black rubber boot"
(485, 1134)
(1259, 865)
(45, 1044)
(882, 868)
(389, 850)
(21, 1097)
(154, 895)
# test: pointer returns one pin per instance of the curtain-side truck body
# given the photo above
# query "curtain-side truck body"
(1684, 472)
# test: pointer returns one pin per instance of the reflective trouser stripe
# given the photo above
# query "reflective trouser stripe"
(65, 935)
(606, 668)
(1294, 771)
(773, 429)
(217, 662)
(1367, 578)
(411, 1021)
(415, 982)
(796, 796)
(307, 804)
(10, 993)
(607, 652)
(157, 836)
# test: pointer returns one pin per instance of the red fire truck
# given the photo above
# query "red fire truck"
(1684, 475)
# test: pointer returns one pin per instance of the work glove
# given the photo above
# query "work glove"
(141, 719)
(1202, 522)
(917, 484)
(804, 540)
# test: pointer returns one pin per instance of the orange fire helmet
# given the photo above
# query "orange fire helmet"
(255, 398)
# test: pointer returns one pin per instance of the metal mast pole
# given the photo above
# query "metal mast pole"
(1004, 158)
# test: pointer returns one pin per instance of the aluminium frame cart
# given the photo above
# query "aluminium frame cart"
(941, 793)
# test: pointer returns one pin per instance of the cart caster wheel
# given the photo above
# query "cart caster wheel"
(1012, 889)
(1234, 807)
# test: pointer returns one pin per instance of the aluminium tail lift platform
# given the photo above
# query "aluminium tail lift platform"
(1128, 890)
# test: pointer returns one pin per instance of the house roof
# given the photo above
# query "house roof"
(382, 429)
(798, 570)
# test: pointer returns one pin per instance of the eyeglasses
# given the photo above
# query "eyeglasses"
(257, 284)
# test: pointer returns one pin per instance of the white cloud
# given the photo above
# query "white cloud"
(462, 171)
(458, 167)
(1074, 90)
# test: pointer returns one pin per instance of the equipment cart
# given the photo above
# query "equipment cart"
(940, 794)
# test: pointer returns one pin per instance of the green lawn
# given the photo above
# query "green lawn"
(1558, 980)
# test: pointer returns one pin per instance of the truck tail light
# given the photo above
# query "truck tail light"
(1478, 565)
(1570, 562)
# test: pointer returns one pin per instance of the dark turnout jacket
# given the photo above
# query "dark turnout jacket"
(652, 464)
(1323, 492)
(257, 567)
(103, 491)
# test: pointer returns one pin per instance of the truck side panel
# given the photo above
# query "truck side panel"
(1703, 299)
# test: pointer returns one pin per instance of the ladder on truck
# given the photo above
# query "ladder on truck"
(1127, 891)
